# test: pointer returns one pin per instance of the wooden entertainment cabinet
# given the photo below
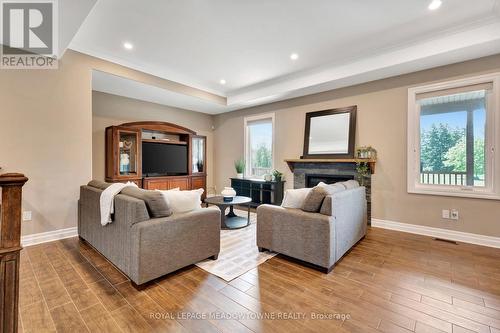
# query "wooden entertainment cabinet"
(124, 154)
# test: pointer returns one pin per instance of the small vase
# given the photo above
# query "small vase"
(239, 175)
(228, 192)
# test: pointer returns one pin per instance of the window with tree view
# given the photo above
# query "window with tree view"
(452, 139)
(452, 134)
(259, 145)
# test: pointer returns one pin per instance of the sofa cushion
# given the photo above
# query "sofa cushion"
(314, 199)
(99, 184)
(326, 207)
(156, 205)
(332, 188)
(350, 184)
(295, 198)
(182, 201)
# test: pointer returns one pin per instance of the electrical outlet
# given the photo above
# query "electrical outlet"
(27, 215)
(445, 214)
(454, 214)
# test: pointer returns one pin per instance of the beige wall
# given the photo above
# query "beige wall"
(46, 133)
(381, 123)
(111, 110)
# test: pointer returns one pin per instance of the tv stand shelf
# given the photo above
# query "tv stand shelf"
(124, 155)
(169, 142)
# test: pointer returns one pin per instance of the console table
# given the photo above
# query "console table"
(261, 191)
(10, 245)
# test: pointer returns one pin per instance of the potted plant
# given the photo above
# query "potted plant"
(372, 152)
(361, 152)
(277, 175)
(239, 165)
(362, 172)
(366, 152)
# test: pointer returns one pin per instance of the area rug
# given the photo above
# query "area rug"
(238, 253)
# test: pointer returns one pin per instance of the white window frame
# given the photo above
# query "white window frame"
(492, 140)
(250, 119)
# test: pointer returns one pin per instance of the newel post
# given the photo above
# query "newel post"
(11, 185)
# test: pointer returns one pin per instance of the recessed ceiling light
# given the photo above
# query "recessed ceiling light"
(294, 56)
(435, 4)
(222, 81)
(128, 45)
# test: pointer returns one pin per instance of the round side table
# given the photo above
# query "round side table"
(231, 220)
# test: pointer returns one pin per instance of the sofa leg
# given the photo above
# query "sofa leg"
(139, 287)
(214, 257)
(261, 249)
(328, 270)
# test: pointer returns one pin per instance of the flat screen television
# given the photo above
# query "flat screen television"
(160, 159)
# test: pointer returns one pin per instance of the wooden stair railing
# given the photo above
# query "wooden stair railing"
(10, 246)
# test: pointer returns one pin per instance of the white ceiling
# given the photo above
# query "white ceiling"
(248, 43)
(72, 13)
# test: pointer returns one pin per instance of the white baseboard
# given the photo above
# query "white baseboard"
(49, 236)
(453, 235)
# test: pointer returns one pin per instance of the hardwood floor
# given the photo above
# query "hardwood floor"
(390, 282)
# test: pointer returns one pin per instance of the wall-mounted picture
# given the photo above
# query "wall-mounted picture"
(330, 133)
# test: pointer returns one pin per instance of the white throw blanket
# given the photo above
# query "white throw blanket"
(107, 200)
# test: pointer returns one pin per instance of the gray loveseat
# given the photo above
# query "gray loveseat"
(319, 238)
(144, 247)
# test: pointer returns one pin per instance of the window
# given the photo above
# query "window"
(259, 145)
(452, 134)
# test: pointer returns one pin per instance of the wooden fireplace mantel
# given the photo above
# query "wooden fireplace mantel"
(371, 162)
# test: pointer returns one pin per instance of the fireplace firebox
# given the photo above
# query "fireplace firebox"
(314, 179)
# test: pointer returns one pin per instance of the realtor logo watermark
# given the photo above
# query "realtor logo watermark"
(29, 34)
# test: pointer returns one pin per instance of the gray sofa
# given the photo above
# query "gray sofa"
(319, 238)
(142, 247)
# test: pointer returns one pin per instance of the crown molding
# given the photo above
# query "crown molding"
(460, 45)
(470, 41)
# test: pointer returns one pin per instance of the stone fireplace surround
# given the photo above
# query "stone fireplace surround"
(309, 174)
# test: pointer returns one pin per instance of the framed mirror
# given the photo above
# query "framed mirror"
(330, 133)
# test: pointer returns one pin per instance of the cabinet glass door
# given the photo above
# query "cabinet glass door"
(198, 151)
(128, 153)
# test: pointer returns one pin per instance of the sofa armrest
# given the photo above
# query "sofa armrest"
(298, 234)
(114, 239)
(169, 243)
(349, 212)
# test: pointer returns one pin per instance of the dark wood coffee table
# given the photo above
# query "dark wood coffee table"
(231, 220)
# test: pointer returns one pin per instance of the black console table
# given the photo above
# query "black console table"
(261, 191)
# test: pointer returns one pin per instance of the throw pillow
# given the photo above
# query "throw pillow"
(326, 206)
(156, 205)
(332, 188)
(295, 198)
(183, 201)
(314, 199)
